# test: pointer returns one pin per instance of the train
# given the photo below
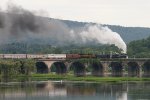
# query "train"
(61, 56)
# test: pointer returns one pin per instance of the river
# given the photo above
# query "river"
(58, 90)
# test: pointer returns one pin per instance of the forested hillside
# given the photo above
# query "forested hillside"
(139, 48)
(127, 33)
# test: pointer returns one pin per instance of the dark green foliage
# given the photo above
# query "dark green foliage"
(10, 69)
(98, 49)
(28, 66)
(139, 48)
(16, 48)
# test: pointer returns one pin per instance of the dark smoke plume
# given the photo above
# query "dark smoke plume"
(18, 24)
(1, 20)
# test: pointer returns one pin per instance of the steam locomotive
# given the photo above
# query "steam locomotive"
(61, 56)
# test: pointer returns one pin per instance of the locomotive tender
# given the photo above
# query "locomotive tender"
(61, 56)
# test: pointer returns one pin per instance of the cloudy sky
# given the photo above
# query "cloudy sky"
(116, 12)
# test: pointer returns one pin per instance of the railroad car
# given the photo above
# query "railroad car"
(73, 56)
(102, 56)
(37, 56)
(1, 56)
(112, 56)
(14, 56)
(87, 56)
(57, 56)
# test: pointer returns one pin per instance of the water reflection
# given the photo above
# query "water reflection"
(74, 91)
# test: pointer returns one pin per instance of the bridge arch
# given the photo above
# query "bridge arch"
(97, 69)
(146, 69)
(116, 69)
(58, 67)
(78, 68)
(133, 69)
(42, 67)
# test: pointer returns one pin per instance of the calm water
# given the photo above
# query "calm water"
(74, 91)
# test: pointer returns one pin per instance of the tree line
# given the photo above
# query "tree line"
(10, 69)
(17, 48)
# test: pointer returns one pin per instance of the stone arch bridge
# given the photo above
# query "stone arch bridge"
(101, 67)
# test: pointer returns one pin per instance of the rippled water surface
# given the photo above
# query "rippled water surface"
(74, 91)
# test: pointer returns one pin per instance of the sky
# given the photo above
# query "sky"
(135, 13)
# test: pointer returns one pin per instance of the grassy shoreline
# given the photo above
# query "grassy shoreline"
(46, 77)
(54, 77)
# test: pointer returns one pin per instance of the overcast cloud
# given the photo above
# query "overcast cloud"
(118, 12)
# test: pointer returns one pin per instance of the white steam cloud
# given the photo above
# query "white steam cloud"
(19, 24)
(102, 35)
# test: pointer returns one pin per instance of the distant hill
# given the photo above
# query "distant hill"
(131, 33)
(127, 33)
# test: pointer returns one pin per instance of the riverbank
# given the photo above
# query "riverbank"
(46, 77)
(54, 77)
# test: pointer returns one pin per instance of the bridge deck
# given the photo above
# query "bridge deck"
(114, 59)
